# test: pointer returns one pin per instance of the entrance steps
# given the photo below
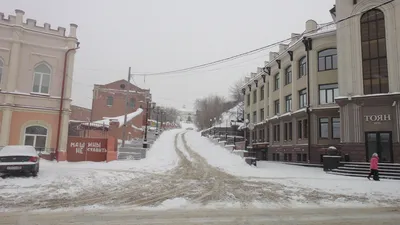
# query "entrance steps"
(361, 169)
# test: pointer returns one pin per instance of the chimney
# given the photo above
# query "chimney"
(72, 30)
(19, 16)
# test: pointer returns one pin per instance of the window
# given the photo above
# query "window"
(36, 136)
(373, 47)
(290, 135)
(261, 135)
(288, 103)
(300, 129)
(248, 99)
(254, 96)
(1, 69)
(305, 124)
(302, 67)
(267, 133)
(254, 116)
(262, 93)
(288, 75)
(277, 132)
(276, 82)
(276, 108)
(327, 59)
(302, 98)
(132, 103)
(110, 101)
(285, 132)
(261, 115)
(323, 127)
(304, 157)
(41, 79)
(248, 117)
(328, 93)
(335, 128)
(298, 157)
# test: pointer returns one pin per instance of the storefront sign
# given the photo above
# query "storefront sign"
(377, 118)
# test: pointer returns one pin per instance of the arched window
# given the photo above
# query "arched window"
(110, 101)
(1, 69)
(132, 103)
(302, 67)
(327, 59)
(373, 46)
(36, 136)
(41, 79)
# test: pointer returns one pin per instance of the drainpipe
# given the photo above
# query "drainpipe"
(308, 46)
(62, 96)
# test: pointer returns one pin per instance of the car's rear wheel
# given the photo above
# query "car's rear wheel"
(35, 172)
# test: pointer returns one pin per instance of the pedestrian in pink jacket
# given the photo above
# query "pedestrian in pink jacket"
(374, 167)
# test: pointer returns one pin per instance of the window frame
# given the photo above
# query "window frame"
(303, 98)
(262, 92)
(276, 82)
(288, 102)
(262, 114)
(325, 88)
(302, 67)
(323, 122)
(37, 135)
(276, 107)
(300, 129)
(255, 96)
(248, 99)
(255, 116)
(288, 75)
(41, 75)
(374, 64)
(332, 57)
(332, 127)
(110, 99)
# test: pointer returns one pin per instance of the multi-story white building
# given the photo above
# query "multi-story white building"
(32, 64)
(332, 87)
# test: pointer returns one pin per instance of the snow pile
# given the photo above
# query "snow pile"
(71, 178)
(106, 120)
(291, 176)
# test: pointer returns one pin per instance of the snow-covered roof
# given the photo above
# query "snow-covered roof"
(106, 120)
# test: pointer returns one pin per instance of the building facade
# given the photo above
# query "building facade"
(276, 99)
(31, 71)
(368, 37)
(79, 113)
(334, 85)
(109, 101)
(186, 115)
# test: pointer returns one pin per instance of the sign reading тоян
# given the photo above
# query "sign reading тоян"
(377, 118)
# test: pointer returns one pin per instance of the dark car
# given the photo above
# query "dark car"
(19, 159)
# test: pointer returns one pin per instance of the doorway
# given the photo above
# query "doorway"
(380, 143)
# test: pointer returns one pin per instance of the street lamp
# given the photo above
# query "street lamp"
(148, 105)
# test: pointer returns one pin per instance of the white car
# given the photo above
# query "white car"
(19, 159)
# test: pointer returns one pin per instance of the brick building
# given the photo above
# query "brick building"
(79, 113)
(109, 101)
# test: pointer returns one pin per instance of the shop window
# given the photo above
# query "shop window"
(323, 127)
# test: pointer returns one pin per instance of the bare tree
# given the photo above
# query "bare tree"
(209, 109)
(235, 91)
(170, 114)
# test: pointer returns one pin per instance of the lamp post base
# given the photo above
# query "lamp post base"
(145, 144)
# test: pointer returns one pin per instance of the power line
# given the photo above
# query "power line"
(253, 51)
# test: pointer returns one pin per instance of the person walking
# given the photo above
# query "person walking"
(374, 167)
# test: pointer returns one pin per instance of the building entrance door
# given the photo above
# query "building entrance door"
(380, 143)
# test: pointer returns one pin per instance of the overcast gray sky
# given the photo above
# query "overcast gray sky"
(163, 35)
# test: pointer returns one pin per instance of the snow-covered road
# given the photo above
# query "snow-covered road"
(185, 170)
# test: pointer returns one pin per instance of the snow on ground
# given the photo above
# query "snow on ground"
(70, 178)
(289, 175)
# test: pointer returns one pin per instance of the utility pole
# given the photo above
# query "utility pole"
(126, 108)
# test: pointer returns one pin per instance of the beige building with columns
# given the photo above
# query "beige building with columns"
(31, 72)
(354, 89)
